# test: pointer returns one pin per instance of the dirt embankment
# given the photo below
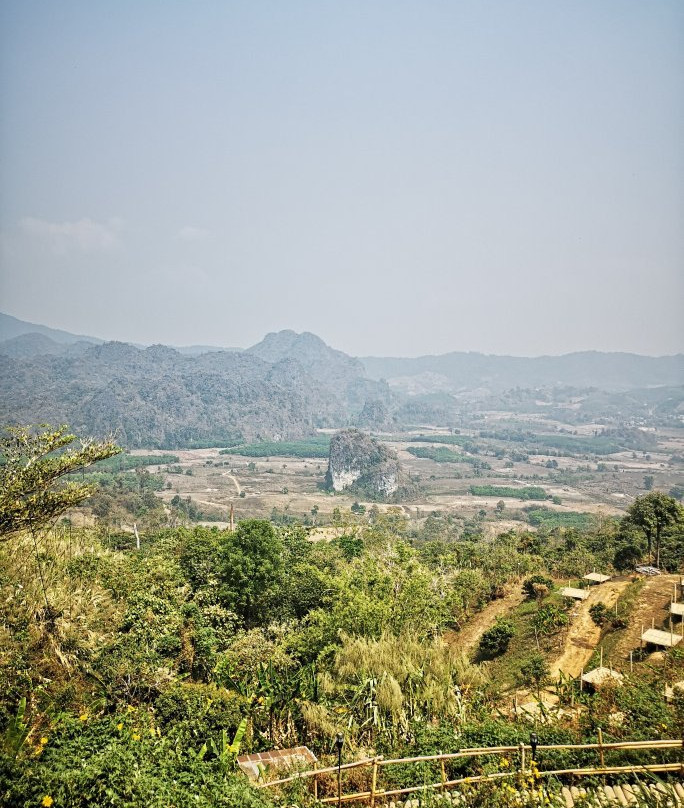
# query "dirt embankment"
(583, 634)
(652, 606)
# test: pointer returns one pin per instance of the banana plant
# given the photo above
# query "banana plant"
(17, 731)
(226, 752)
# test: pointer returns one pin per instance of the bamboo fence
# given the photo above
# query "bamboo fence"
(521, 750)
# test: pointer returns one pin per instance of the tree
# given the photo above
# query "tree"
(251, 570)
(626, 557)
(35, 463)
(648, 482)
(535, 671)
(653, 514)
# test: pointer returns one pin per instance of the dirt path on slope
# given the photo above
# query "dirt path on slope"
(653, 604)
(583, 634)
(237, 484)
(469, 636)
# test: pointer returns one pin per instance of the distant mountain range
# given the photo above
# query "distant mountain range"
(455, 372)
(284, 387)
(13, 328)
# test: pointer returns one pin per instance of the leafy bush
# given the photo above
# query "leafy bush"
(627, 557)
(550, 619)
(191, 713)
(600, 614)
(496, 639)
(530, 587)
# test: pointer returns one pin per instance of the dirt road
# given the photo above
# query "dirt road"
(234, 479)
(583, 634)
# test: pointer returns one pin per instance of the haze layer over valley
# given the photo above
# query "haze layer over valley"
(341, 404)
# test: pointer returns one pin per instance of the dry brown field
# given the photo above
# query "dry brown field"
(256, 487)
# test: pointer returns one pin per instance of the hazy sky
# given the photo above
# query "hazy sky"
(397, 177)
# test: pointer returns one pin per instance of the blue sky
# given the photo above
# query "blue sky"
(398, 177)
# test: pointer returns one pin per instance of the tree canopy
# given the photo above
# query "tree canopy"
(251, 569)
(33, 464)
(654, 514)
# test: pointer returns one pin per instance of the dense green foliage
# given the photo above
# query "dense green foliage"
(545, 517)
(126, 672)
(527, 492)
(605, 443)
(466, 443)
(318, 446)
(441, 454)
(126, 462)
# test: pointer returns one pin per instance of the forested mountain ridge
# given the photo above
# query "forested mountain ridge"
(157, 397)
(449, 372)
(334, 369)
(290, 384)
(36, 344)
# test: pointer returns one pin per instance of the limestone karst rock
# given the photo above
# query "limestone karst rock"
(364, 466)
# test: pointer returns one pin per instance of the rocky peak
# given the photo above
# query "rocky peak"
(364, 466)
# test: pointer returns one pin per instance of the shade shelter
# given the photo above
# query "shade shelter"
(602, 676)
(576, 594)
(596, 578)
(666, 639)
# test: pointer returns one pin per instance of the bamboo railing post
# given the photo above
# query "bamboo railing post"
(601, 753)
(374, 782)
(315, 779)
(443, 771)
(522, 758)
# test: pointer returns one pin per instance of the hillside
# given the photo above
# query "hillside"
(158, 397)
(289, 384)
(333, 369)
